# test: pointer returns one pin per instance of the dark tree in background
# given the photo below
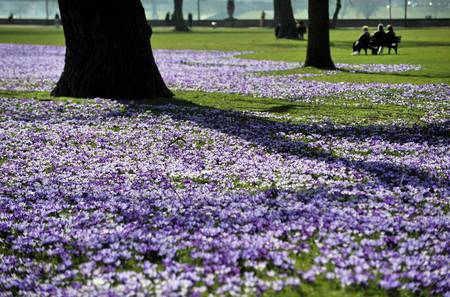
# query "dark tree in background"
(318, 52)
(230, 9)
(366, 7)
(108, 51)
(284, 17)
(336, 14)
(177, 18)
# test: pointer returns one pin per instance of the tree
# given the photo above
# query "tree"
(108, 51)
(177, 18)
(230, 9)
(336, 14)
(366, 7)
(318, 51)
(284, 19)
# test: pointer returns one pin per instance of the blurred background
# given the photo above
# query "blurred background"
(250, 9)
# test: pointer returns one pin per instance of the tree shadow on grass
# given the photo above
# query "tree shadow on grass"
(280, 108)
(271, 134)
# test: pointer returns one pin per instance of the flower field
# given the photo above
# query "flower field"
(107, 199)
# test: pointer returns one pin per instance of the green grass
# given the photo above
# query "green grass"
(427, 47)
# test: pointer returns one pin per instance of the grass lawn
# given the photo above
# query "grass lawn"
(427, 47)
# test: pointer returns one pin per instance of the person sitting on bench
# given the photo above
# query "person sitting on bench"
(391, 40)
(378, 40)
(362, 42)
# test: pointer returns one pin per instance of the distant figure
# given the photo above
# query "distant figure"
(190, 20)
(378, 40)
(167, 19)
(301, 29)
(10, 18)
(391, 39)
(363, 41)
(277, 30)
(262, 21)
(57, 20)
(214, 25)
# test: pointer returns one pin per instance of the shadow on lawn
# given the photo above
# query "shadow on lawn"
(268, 133)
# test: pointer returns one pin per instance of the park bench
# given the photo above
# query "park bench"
(394, 45)
(377, 48)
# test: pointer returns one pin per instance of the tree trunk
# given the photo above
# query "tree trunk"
(318, 51)
(284, 17)
(336, 14)
(108, 51)
(230, 9)
(178, 20)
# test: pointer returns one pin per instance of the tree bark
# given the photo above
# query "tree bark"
(336, 14)
(284, 16)
(108, 51)
(318, 52)
(178, 20)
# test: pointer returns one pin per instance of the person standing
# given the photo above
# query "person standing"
(57, 20)
(301, 29)
(262, 21)
(277, 30)
(167, 19)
